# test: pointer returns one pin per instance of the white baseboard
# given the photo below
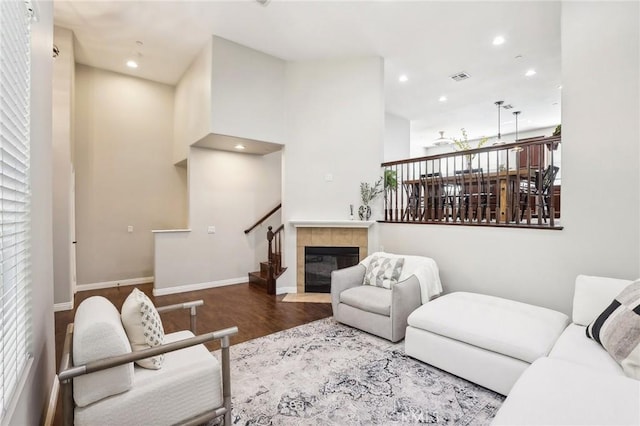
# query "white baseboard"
(198, 286)
(65, 306)
(118, 283)
(283, 290)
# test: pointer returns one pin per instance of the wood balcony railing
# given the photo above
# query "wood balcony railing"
(513, 184)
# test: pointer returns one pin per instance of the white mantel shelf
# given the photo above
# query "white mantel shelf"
(332, 223)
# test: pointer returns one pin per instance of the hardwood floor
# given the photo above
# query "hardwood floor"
(246, 306)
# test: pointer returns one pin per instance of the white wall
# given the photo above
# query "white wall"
(33, 396)
(229, 191)
(600, 147)
(397, 136)
(192, 109)
(229, 90)
(247, 89)
(335, 125)
(124, 174)
(63, 91)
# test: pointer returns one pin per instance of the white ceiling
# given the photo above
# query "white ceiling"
(426, 40)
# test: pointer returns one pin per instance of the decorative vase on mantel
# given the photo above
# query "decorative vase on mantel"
(364, 212)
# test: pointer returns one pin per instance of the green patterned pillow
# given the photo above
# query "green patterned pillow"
(383, 271)
(617, 329)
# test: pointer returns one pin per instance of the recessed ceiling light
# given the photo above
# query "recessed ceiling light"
(132, 64)
(498, 41)
(239, 146)
(442, 98)
(403, 78)
(560, 86)
(530, 72)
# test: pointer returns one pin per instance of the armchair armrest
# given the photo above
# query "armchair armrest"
(104, 363)
(406, 298)
(186, 305)
(343, 279)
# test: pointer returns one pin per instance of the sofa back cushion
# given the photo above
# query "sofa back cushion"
(98, 333)
(592, 295)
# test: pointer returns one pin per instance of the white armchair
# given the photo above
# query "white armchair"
(101, 386)
(378, 310)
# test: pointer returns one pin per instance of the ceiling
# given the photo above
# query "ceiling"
(426, 40)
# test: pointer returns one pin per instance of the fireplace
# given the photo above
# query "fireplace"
(328, 233)
(320, 261)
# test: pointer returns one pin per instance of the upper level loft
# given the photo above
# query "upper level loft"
(512, 185)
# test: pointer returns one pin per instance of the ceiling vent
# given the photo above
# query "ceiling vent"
(459, 76)
(507, 106)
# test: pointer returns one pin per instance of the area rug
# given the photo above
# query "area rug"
(308, 297)
(325, 373)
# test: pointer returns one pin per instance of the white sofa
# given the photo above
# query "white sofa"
(551, 372)
(579, 383)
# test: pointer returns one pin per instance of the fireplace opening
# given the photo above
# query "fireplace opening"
(320, 261)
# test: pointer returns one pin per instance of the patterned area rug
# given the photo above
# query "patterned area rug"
(325, 373)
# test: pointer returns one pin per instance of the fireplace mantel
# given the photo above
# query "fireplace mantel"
(332, 223)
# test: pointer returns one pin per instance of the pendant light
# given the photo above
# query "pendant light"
(517, 148)
(516, 114)
(499, 105)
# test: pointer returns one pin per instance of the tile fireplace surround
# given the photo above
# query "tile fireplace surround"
(329, 233)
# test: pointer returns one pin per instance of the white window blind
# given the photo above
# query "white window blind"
(15, 19)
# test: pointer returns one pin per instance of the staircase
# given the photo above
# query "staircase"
(271, 269)
(261, 277)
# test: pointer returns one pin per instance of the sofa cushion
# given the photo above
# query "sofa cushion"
(573, 345)
(97, 334)
(189, 382)
(383, 271)
(143, 325)
(516, 329)
(617, 329)
(368, 298)
(592, 295)
(556, 392)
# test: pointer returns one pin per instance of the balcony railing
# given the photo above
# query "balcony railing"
(515, 184)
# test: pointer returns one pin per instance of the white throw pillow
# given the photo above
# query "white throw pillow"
(383, 271)
(144, 329)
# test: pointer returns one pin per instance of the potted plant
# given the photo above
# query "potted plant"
(390, 179)
(464, 145)
(557, 132)
(367, 193)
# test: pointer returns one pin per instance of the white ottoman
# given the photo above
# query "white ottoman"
(487, 340)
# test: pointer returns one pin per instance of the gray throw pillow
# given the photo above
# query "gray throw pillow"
(383, 271)
(617, 329)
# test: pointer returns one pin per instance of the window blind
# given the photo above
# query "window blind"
(15, 19)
